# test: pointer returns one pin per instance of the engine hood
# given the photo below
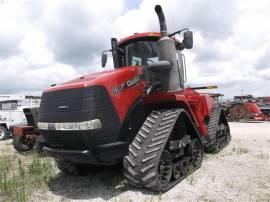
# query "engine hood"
(99, 78)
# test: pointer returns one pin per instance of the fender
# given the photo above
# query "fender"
(136, 110)
(194, 130)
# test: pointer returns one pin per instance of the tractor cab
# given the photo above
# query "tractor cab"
(142, 49)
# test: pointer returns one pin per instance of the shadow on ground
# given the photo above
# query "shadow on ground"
(100, 182)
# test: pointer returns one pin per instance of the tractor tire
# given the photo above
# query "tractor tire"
(151, 163)
(3, 133)
(20, 144)
(70, 168)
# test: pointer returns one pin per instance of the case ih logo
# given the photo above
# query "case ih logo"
(63, 107)
(131, 82)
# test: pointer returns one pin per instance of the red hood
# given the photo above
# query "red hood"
(98, 78)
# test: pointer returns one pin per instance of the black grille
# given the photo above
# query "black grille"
(77, 105)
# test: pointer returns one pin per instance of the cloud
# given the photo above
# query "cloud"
(77, 31)
(263, 60)
(17, 76)
(43, 43)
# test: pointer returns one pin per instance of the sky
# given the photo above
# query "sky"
(48, 42)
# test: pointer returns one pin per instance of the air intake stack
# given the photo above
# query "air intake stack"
(169, 77)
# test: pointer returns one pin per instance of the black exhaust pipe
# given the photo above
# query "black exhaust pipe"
(162, 21)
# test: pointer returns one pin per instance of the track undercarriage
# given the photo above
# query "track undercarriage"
(163, 153)
(218, 131)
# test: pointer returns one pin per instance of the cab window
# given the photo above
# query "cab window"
(140, 53)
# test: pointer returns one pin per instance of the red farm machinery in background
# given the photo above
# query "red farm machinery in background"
(25, 135)
(247, 108)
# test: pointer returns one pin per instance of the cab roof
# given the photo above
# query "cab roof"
(136, 36)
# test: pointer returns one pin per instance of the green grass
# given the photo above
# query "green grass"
(20, 176)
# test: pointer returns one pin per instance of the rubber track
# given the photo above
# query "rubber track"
(140, 166)
(212, 131)
(213, 124)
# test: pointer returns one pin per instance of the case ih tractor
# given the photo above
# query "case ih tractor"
(139, 113)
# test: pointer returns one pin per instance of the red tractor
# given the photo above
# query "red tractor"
(139, 113)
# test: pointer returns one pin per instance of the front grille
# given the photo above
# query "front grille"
(81, 104)
(78, 105)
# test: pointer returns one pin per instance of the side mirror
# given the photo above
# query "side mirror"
(103, 59)
(188, 39)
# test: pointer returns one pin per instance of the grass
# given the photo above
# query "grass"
(19, 177)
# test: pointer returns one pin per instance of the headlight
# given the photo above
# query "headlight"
(67, 126)
(43, 126)
(86, 125)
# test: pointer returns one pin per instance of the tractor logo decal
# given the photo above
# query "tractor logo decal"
(63, 107)
(131, 82)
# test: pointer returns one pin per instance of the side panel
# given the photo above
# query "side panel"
(202, 111)
(128, 87)
(198, 106)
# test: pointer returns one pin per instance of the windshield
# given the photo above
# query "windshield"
(141, 53)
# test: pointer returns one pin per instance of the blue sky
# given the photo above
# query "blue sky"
(131, 4)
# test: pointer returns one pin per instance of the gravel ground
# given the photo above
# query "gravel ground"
(240, 172)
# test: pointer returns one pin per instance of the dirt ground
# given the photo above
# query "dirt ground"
(240, 172)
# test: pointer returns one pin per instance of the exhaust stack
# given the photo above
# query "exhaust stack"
(162, 21)
(169, 77)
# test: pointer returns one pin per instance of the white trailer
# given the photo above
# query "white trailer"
(11, 111)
